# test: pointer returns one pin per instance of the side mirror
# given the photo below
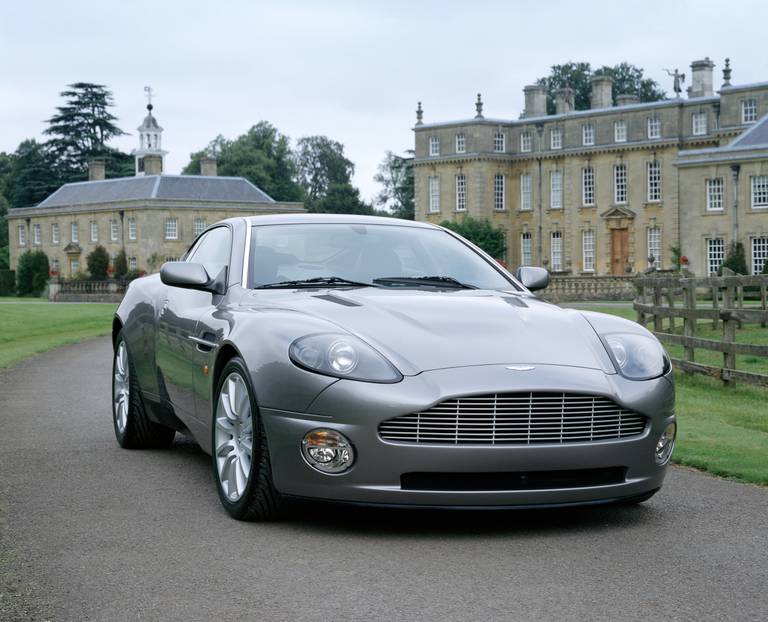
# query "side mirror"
(533, 278)
(189, 276)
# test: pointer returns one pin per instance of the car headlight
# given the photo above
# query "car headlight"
(637, 357)
(342, 356)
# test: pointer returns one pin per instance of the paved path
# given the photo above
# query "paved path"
(93, 532)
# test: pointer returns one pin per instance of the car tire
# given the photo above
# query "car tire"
(236, 424)
(133, 428)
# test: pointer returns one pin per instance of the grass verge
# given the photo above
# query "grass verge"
(28, 328)
(721, 429)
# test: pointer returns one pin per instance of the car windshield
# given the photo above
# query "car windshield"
(336, 254)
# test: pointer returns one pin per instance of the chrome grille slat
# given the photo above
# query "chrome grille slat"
(521, 418)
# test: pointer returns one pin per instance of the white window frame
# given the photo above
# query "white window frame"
(526, 248)
(715, 254)
(22, 235)
(556, 189)
(198, 225)
(434, 145)
(588, 250)
(55, 233)
(434, 194)
(171, 228)
(587, 134)
(620, 131)
(654, 128)
(74, 231)
(113, 230)
(461, 143)
(748, 111)
(133, 263)
(461, 192)
(556, 251)
(94, 231)
(556, 138)
(132, 230)
(653, 181)
(499, 142)
(759, 253)
(620, 176)
(526, 142)
(588, 186)
(699, 123)
(74, 266)
(526, 192)
(715, 192)
(654, 246)
(499, 192)
(37, 237)
(759, 191)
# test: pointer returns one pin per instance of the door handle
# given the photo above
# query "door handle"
(203, 344)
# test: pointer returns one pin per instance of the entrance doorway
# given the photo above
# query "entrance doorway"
(619, 251)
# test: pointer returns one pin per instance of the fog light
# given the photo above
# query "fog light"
(328, 451)
(665, 444)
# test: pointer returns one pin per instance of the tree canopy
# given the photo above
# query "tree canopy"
(482, 233)
(262, 155)
(627, 79)
(321, 163)
(395, 175)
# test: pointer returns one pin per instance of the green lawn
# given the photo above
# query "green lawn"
(29, 326)
(723, 430)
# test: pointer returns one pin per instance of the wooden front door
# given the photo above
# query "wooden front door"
(619, 251)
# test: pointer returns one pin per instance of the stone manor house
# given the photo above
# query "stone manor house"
(154, 217)
(609, 190)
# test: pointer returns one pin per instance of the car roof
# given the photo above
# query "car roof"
(295, 219)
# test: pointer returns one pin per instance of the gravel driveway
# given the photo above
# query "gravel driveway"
(92, 532)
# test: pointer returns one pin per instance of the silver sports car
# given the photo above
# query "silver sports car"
(379, 361)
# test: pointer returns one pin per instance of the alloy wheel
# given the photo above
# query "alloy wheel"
(233, 436)
(121, 387)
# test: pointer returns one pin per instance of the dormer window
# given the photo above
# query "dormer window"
(434, 145)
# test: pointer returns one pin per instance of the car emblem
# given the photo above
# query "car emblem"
(520, 367)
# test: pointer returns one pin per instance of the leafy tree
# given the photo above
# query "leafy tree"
(33, 175)
(396, 176)
(343, 199)
(482, 233)
(262, 155)
(736, 260)
(81, 128)
(121, 265)
(98, 263)
(320, 162)
(32, 273)
(628, 79)
(4, 256)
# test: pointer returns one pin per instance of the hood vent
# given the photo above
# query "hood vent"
(338, 300)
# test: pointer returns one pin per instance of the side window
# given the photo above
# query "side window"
(212, 250)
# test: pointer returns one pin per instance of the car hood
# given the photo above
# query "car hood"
(421, 330)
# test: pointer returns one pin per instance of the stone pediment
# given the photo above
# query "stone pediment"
(618, 212)
(73, 249)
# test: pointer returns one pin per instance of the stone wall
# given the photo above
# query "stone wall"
(569, 289)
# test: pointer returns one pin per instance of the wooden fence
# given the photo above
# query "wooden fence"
(674, 298)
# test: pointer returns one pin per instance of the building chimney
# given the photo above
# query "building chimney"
(564, 100)
(602, 92)
(208, 167)
(97, 170)
(627, 99)
(535, 100)
(153, 164)
(701, 78)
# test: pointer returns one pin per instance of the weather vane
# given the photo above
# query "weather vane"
(148, 91)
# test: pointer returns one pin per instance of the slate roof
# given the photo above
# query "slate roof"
(756, 136)
(168, 187)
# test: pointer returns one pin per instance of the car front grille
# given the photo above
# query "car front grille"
(516, 419)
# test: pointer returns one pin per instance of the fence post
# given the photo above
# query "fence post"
(657, 328)
(689, 322)
(729, 330)
(641, 297)
(763, 301)
(715, 304)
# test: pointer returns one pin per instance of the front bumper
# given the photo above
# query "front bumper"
(356, 409)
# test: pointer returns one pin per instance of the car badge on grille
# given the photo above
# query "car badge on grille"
(520, 367)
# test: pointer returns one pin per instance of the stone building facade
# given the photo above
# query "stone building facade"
(609, 190)
(154, 217)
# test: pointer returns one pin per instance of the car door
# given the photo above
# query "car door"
(178, 344)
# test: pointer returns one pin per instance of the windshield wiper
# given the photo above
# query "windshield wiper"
(434, 281)
(318, 281)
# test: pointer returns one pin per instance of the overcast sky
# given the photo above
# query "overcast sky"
(350, 70)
